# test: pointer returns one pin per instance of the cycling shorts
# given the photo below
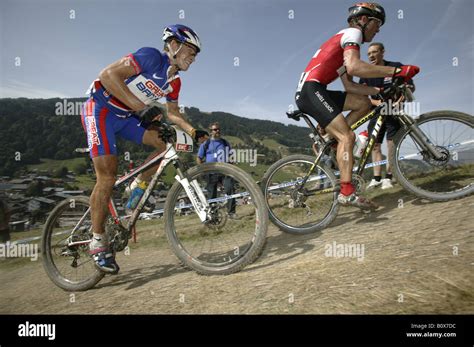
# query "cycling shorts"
(323, 105)
(102, 126)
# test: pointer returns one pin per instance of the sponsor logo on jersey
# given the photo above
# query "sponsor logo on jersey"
(150, 89)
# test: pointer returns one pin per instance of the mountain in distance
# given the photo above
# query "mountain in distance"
(32, 129)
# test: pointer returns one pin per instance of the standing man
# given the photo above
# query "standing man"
(340, 56)
(391, 125)
(5, 214)
(121, 96)
(213, 150)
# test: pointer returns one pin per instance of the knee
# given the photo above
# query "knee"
(153, 139)
(348, 138)
(159, 144)
(377, 148)
(365, 104)
(106, 180)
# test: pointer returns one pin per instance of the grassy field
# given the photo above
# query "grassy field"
(234, 140)
(272, 144)
(85, 182)
(51, 164)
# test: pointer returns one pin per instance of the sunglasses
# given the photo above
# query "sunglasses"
(216, 129)
(378, 21)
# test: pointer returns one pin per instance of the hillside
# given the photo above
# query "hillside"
(30, 129)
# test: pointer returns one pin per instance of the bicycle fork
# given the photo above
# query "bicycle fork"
(420, 138)
(195, 195)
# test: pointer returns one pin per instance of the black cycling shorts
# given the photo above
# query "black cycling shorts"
(390, 126)
(322, 104)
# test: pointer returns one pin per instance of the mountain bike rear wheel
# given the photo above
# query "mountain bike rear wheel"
(295, 209)
(65, 246)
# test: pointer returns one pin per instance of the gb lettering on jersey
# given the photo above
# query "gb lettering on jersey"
(146, 90)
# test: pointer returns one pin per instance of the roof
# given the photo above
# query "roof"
(19, 187)
(19, 180)
(51, 189)
(45, 200)
(18, 222)
(6, 186)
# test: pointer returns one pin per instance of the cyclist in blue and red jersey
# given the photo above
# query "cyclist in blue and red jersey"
(120, 98)
(340, 57)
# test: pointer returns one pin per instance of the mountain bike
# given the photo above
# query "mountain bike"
(203, 238)
(433, 158)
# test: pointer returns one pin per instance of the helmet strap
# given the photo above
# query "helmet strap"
(176, 53)
(363, 27)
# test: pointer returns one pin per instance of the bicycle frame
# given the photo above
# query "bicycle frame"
(169, 155)
(193, 190)
(376, 112)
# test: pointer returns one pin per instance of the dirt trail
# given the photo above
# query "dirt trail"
(409, 266)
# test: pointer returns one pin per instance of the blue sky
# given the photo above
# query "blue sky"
(60, 56)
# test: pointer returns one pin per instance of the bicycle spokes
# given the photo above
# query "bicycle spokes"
(447, 169)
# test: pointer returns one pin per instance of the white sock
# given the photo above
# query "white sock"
(99, 240)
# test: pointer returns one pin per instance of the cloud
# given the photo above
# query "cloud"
(17, 89)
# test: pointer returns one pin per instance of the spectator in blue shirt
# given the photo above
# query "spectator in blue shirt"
(216, 149)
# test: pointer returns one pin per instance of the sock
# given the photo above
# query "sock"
(99, 240)
(347, 188)
(388, 176)
(377, 178)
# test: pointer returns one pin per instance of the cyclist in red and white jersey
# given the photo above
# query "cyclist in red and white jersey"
(340, 57)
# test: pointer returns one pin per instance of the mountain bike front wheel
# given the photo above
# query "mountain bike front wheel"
(298, 209)
(234, 232)
(448, 177)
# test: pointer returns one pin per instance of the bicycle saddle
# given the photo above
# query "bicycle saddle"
(295, 115)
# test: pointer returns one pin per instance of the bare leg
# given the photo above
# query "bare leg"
(359, 106)
(390, 146)
(377, 156)
(345, 137)
(151, 138)
(106, 170)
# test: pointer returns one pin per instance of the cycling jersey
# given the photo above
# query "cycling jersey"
(323, 67)
(149, 84)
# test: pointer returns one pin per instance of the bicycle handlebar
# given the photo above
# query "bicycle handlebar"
(398, 88)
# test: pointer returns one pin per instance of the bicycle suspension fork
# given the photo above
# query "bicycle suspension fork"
(419, 136)
(193, 191)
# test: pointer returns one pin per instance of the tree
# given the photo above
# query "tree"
(35, 188)
(80, 169)
(60, 173)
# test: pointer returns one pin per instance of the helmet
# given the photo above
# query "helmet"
(369, 9)
(183, 34)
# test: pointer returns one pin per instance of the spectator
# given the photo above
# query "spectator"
(217, 149)
(391, 125)
(5, 214)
